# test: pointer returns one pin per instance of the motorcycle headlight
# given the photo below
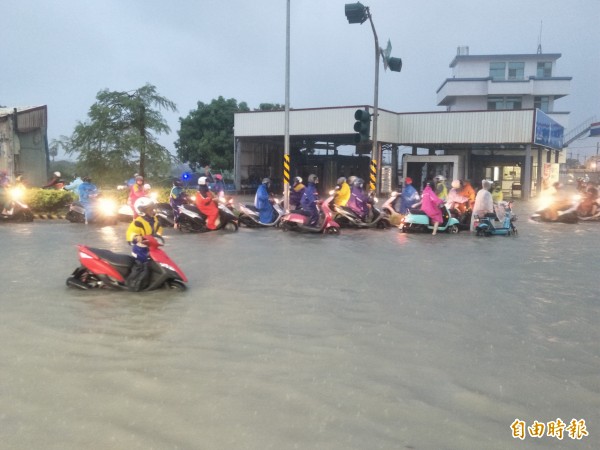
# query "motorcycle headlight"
(154, 196)
(107, 206)
(16, 193)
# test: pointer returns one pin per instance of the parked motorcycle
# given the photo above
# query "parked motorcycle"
(102, 211)
(17, 211)
(191, 220)
(249, 215)
(379, 217)
(105, 269)
(297, 221)
(417, 220)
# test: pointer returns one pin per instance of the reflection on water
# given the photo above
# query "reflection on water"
(370, 339)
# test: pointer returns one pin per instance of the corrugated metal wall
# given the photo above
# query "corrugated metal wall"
(473, 127)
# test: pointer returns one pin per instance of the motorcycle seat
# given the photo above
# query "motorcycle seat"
(251, 208)
(118, 260)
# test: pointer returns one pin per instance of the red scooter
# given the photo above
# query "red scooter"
(105, 269)
(296, 221)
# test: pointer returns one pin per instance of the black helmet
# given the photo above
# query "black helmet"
(177, 182)
(87, 179)
(359, 182)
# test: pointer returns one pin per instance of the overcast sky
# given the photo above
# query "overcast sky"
(61, 53)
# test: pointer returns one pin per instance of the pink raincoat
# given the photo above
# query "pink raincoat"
(431, 205)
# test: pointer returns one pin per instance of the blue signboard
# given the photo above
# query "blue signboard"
(548, 133)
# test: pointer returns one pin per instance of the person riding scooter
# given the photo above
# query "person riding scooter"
(309, 199)
(205, 202)
(136, 191)
(296, 193)
(359, 201)
(177, 197)
(145, 224)
(262, 202)
(56, 182)
(342, 194)
(408, 197)
(86, 192)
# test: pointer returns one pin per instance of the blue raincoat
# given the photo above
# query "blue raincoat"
(263, 205)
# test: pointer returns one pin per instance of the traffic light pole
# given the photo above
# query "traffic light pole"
(375, 153)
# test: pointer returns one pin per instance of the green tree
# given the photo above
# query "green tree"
(118, 139)
(206, 134)
(270, 107)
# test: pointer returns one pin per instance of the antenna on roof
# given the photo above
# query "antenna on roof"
(539, 50)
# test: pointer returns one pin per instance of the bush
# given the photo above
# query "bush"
(51, 201)
(48, 200)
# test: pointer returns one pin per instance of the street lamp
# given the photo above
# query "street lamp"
(358, 13)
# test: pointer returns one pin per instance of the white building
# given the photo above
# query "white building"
(501, 123)
(500, 82)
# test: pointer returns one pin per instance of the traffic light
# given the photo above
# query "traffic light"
(362, 126)
(356, 12)
(395, 64)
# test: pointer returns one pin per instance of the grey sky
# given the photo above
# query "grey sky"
(61, 53)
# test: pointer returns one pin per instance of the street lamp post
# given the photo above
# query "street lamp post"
(358, 13)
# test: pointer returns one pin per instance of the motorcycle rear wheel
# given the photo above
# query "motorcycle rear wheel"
(175, 285)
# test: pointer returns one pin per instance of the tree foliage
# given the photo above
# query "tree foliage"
(206, 134)
(118, 139)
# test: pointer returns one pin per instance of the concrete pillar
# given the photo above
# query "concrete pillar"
(526, 187)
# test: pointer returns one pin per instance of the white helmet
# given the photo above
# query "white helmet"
(202, 181)
(57, 174)
(440, 178)
(147, 187)
(298, 180)
(142, 204)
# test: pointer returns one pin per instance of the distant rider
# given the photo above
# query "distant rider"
(484, 204)
(342, 194)
(4, 185)
(440, 187)
(205, 202)
(309, 200)
(431, 205)
(296, 193)
(74, 185)
(177, 197)
(455, 200)
(56, 182)
(359, 201)
(262, 202)
(408, 197)
(136, 191)
(86, 192)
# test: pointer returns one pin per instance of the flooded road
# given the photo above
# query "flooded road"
(367, 340)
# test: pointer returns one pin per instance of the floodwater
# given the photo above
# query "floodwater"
(367, 340)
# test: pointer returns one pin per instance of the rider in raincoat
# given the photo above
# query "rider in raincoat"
(262, 202)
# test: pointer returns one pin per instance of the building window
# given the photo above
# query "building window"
(516, 70)
(498, 103)
(497, 70)
(495, 103)
(513, 103)
(542, 103)
(544, 70)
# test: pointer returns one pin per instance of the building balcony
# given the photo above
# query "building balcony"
(453, 88)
